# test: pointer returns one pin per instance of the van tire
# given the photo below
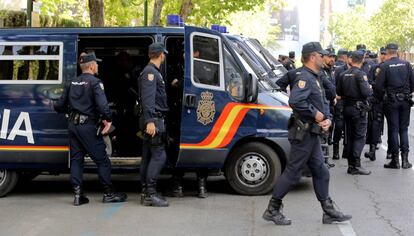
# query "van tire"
(8, 180)
(253, 169)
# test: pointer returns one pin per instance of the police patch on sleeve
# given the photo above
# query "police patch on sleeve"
(365, 78)
(150, 77)
(301, 84)
(377, 71)
(102, 86)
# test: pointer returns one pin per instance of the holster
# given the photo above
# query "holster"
(160, 137)
(78, 119)
(297, 129)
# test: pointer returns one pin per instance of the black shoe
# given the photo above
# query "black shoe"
(202, 190)
(330, 214)
(80, 198)
(371, 153)
(389, 156)
(404, 159)
(273, 213)
(114, 197)
(352, 170)
(394, 163)
(155, 200)
(335, 155)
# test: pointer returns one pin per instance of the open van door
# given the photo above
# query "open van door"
(33, 70)
(214, 84)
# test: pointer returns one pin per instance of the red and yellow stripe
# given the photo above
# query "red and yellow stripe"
(35, 148)
(227, 125)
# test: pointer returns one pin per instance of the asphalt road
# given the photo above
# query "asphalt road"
(381, 204)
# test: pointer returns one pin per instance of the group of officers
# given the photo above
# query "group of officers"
(90, 119)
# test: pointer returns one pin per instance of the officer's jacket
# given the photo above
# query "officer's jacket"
(353, 85)
(290, 65)
(328, 83)
(339, 63)
(152, 93)
(394, 76)
(307, 96)
(367, 66)
(85, 95)
(338, 71)
(288, 79)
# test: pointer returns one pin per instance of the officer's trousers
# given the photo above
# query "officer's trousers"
(356, 128)
(83, 140)
(308, 151)
(375, 124)
(398, 120)
(153, 160)
(338, 122)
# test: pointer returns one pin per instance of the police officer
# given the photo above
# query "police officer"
(368, 64)
(342, 65)
(290, 62)
(353, 89)
(154, 107)
(310, 117)
(376, 115)
(395, 83)
(84, 99)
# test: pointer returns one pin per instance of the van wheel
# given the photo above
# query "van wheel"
(253, 169)
(8, 180)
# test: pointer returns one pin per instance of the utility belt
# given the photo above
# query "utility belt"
(298, 129)
(390, 97)
(362, 106)
(79, 119)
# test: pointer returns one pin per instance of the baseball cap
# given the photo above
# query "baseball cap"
(85, 58)
(392, 46)
(156, 48)
(358, 54)
(313, 47)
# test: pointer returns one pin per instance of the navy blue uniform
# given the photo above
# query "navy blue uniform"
(85, 96)
(306, 99)
(396, 80)
(290, 65)
(154, 107)
(353, 88)
(339, 108)
(288, 79)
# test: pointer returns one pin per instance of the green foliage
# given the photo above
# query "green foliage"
(13, 18)
(394, 22)
(124, 12)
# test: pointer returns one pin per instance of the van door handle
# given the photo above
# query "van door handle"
(190, 100)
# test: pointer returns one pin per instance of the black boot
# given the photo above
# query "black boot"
(80, 198)
(330, 214)
(143, 193)
(177, 190)
(335, 155)
(110, 196)
(389, 156)
(202, 190)
(328, 163)
(273, 213)
(353, 170)
(371, 153)
(153, 199)
(405, 164)
(394, 163)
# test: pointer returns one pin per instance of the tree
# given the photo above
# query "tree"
(96, 13)
(394, 22)
(156, 17)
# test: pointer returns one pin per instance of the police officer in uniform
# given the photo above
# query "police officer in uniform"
(342, 58)
(290, 62)
(85, 101)
(354, 90)
(310, 117)
(395, 83)
(368, 64)
(154, 108)
(376, 115)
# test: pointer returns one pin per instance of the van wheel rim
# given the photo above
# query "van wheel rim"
(2, 176)
(252, 169)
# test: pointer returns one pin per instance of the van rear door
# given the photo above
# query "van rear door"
(33, 69)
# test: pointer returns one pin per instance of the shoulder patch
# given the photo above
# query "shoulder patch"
(377, 71)
(365, 78)
(150, 77)
(301, 84)
(102, 86)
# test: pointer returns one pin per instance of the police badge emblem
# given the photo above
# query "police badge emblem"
(301, 84)
(206, 108)
(377, 71)
(150, 77)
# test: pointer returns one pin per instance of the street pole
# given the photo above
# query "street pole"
(146, 13)
(29, 13)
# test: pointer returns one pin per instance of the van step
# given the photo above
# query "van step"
(117, 161)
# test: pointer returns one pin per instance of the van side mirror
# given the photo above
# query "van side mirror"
(252, 89)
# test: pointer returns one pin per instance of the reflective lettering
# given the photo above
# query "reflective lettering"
(27, 132)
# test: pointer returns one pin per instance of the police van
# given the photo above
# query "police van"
(223, 117)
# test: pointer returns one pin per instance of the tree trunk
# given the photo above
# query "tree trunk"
(96, 13)
(186, 9)
(156, 17)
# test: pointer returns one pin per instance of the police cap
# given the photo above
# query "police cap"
(157, 48)
(357, 55)
(382, 50)
(342, 52)
(85, 58)
(392, 46)
(291, 54)
(331, 52)
(313, 47)
(361, 47)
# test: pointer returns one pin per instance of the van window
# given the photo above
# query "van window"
(30, 62)
(234, 76)
(206, 61)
